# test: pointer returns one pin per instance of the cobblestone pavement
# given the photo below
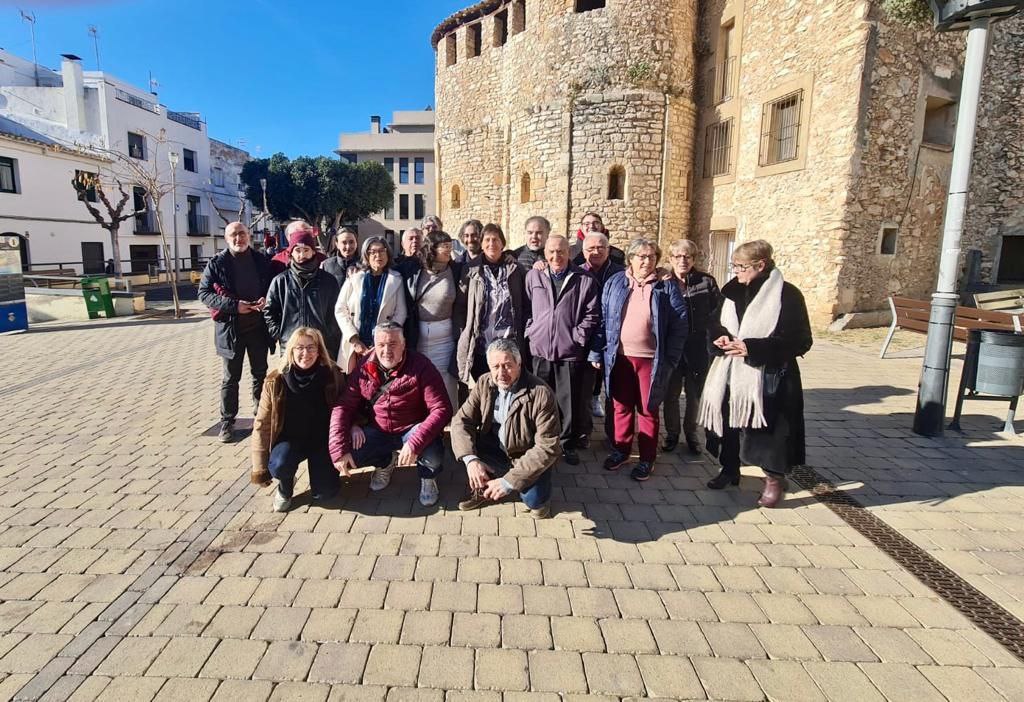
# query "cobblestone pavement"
(136, 561)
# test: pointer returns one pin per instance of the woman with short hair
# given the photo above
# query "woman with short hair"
(638, 346)
(372, 295)
(700, 290)
(293, 419)
(753, 397)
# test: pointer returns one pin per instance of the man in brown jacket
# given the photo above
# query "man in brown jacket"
(507, 433)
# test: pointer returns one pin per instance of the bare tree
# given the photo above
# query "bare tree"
(85, 183)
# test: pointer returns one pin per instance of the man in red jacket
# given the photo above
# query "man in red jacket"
(405, 398)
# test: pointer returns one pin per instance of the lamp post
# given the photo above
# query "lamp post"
(263, 184)
(955, 15)
(172, 158)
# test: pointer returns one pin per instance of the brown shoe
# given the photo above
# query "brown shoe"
(476, 500)
(774, 491)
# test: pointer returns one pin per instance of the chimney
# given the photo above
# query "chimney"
(74, 92)
(375, 124)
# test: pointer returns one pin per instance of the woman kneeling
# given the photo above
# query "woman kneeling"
(292, 422)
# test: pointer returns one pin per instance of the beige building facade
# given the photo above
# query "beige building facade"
(405, 147)
(823, 127)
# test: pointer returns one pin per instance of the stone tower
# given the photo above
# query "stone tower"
(558, 107)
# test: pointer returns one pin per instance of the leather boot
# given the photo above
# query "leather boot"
(774, 491)
(725, 478)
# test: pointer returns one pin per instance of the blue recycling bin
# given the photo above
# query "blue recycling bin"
(13, 312)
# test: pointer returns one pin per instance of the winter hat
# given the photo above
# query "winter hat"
(301, 236)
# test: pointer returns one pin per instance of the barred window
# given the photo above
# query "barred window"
(718, 149)
(780, 129)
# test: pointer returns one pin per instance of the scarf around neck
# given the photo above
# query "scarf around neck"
(304, 271)
(744, 381)
(369, 304)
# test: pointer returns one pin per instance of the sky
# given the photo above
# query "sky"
(268, 76)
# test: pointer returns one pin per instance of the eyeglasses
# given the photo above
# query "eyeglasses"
(743, 266)
(646, 257)
(377, 252)
(681, 257)
(306, 348)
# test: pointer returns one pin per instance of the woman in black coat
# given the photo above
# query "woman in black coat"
(753, 398)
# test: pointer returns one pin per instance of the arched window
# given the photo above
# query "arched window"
(617, 183)
(524, 188)
(456, 197)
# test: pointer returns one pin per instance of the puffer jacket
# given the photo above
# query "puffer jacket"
(473, 294)
(560, 329)
(270, 419)
(531, 428)
(291, 305)
(669, 322)
(416, 396)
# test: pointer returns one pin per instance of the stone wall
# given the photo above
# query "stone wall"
(563, 102)
(996, 201)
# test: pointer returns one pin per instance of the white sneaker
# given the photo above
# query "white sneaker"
(597, 407)
(281, 503)
(382, 476)
(428, 492)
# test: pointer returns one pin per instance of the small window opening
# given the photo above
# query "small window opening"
(500, 29)
(617, 183)
(456, 197)
(518, 16)
(524, 188)
(474, 35)
(450, 50)
(588, 5)
(887, 242)
(939, 121)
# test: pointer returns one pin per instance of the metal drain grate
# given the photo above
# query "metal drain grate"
(986, 614)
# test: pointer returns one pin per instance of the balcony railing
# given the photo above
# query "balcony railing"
(146, 224)
(125, 96)
(721, 84)
(189, 119)
(198, 225)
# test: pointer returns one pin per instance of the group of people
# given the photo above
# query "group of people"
(510, 349)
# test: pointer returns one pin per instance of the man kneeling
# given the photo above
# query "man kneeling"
(507, 433)
(406, 401)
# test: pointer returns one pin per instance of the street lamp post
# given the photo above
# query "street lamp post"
(263, 184)
(953, 15)
(172, 158)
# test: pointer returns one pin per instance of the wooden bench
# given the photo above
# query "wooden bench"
(913, 315)
(1011, 301)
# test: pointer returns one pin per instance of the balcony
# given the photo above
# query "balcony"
(189, 119)
(721, 84)
(198, 225)
(135, 101)
(145, 223)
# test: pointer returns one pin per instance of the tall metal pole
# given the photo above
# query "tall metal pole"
(31, 19)
(173, 158)
(931, 398)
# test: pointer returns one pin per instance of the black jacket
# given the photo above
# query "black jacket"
(220, 274)
(783, 390)
(339, 267)
(527, 258)
(702, 298)
(291, 305)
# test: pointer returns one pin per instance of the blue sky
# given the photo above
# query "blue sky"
(279, 76)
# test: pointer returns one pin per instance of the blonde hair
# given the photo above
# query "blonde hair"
(322, 357)
(756, 250)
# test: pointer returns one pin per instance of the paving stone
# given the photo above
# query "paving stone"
(552, 601)
(357, 693)
(680, 638)
(612, 674)
(233, 658)
(408, 595)
(843, 681)
(529, 632)
(785, 680)
(121, 689)
(339, 663)
(576, 634)
(280, 623)
(669, 677)
(447, 668)
(727, 679)
(592, 602)
(947, 647)
(427, 628)
(501, 669)
(893, 645)
(454, 597)
(328, 625)
(233, 622)
(955, 682)
(285, 660)
(182, 657)
(732, 640)
(377, 626)
(556, 671)
(628, 636)
(900, 681)
(500, 599)
(300, 692)
(132, 656)
(186, 690)
(392, 665)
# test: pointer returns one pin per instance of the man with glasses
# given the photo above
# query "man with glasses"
(234, 287)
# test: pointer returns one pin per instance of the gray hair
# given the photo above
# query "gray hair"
(508, 346)
(556, 237)
(688, 245)
(599, 236)
(543, 221)
(642, 243)
(433, 219)
(388, 327)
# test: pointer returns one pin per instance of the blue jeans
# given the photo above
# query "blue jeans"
(377, 449)
(285, 458)
(491, 453)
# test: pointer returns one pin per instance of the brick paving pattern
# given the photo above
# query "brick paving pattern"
(137, 563)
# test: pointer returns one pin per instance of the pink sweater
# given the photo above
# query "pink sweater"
(637, 336)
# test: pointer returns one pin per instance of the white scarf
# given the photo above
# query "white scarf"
(745, 382)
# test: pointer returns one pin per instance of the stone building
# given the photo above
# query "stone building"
(819, 125)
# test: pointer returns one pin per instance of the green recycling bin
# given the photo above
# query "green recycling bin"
(96, 290)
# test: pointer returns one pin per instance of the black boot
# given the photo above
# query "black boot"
(725, 477)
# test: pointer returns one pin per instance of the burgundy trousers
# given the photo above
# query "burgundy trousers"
(631, 386)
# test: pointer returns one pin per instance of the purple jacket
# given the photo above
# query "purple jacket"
(560, 329)
(417, 396)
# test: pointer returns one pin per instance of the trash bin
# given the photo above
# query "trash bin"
(1000, 364)
(96, 290)
(994, 367)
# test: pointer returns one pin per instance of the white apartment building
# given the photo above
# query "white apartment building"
(406, 149)
(81, 111)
